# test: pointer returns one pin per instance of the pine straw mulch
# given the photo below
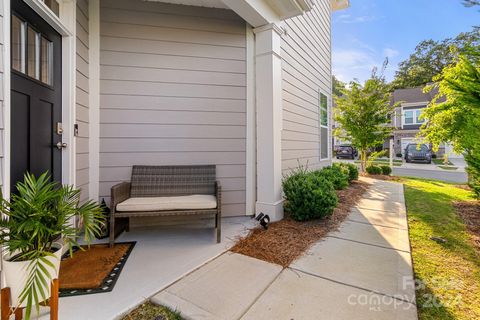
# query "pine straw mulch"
(469, 211)
(286, 240)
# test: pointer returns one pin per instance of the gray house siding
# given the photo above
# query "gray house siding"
(306, 69)
(82, 99)
(173, 91)
(2, 92)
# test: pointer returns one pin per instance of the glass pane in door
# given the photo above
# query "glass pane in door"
(18, 44)
(33, 53)
(47, 61)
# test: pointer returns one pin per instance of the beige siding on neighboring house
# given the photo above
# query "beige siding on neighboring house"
(306, 69)
(173, 92)
(2, 92)
(82, 99)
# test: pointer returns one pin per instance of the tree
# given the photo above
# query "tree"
(471, 3)
(430, 57)
(457, 119)
(363, 113)
(337, 86)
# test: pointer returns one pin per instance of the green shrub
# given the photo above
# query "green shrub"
(336, 175)
(386, 170)
(308, 195)
(373, 169)
(343, 168)
(352, 170)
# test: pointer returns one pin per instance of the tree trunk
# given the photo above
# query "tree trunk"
(363, 160)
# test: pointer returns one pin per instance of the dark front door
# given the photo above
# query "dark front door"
(36, 96)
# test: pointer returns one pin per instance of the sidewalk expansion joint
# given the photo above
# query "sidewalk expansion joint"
(380, 199)
(379, 210)
(353, 286)
(375, 224)
(370, 244)
(261, 294)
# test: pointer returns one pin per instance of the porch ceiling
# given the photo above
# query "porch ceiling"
(255, 12)
(198, 3)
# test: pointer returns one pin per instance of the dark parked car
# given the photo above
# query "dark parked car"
(418, 153)
(346, 151)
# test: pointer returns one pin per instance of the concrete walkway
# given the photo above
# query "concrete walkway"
(361, 271)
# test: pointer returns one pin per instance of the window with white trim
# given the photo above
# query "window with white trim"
(323, 121)
(412, 117)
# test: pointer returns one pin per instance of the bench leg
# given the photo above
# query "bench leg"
(6, 311)
(127, 228)
(112, 230)
(54, 300)
(218, 227)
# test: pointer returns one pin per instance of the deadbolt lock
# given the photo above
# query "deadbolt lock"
(59, 128)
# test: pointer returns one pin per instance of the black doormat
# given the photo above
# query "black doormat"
(93, 270)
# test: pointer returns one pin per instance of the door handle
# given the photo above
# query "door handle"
(61, 145)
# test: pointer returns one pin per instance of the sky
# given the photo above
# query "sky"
(371, 30)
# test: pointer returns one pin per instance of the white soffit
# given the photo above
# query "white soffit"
(198, 3)
(290, 8)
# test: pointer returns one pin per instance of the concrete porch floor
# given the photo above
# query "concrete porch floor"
(161, 256)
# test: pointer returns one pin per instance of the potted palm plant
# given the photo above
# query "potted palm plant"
(37, 224)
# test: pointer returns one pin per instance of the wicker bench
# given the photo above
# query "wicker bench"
(167, 191)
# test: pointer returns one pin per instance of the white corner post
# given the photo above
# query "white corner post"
(268, 84)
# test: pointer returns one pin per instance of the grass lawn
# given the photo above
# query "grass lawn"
(150, 311)
(441, 162)
(396, 163)
(448, 167)
(388, 160)
(449, 271)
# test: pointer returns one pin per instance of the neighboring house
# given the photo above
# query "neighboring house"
(90, 88)
(407, 121)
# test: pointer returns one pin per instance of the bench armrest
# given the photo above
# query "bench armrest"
(218, 193)
(120, 192)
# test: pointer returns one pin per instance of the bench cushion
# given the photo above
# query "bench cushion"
(196, 201)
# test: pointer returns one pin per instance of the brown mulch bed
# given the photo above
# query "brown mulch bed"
(469, 211)
(286, 240)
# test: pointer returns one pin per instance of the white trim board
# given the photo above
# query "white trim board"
(415, 104)
(251, 161)
(68, 17)
(46, 14)
(6, 99)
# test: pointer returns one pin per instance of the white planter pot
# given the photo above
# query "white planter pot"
(16, 274)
